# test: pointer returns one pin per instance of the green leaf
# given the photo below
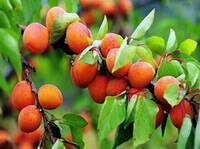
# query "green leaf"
(71, 5)
(166, 69)
(122, 135)
(52, 3)
(197, 134)
(171, 94)
(143, 27)
(59, 26)
(77, 136)
(74, 120)
(156, 44)
(193, 73)
(185, 132)
(87, 56)
(188, 46)
(4, 85)
(178, 66)
(58, 145)
(124, 56)
(144, 125)
(9, 48)
(4, 23)
(171, 43)
(30, 7)
(112, 114)
(17, 4)
(103, 29)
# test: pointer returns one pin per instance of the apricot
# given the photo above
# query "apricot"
(88, 17)
(136, 91)
(110, 61)
(36, 38)
(140, 74)
(52, 14)
(26, 145)
(155, 63)
(125, 6)
(87, 118)
(22, 95)
(86, 3)
(97, 3)
(69, 138)
(3, 136)
(50, 96)
(76, 36)
(115, 86)
(110, 41)
(29, 119)
(161, 86)
(178, 112)
(97, 88)
(83, 72)
(108, 7)
(159, 116)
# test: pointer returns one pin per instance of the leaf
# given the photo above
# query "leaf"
(122, 135)
(197, 134)
(144, 26)
(193, 73)
(52, 3)
(4, 23)
(166, 69)
(74, 120)
(156, 44)
(124, 56)
(17, 4)
(4, 85)
(171, 43)
(77, 136)
(185, 132)
(58, 145)
(171, 94)
(9, 48)
(103, 29)
(188, 46)
(59, 26)
(178, 66)
(112, 114)
(71, 5)
(144, 125)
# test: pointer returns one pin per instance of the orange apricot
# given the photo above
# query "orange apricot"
(125, 6)
(50, 96)
(29, 119)
(159, 116)
(136, 91)
(108, 7)
(178, 112)
(87, 118)
(26, 145)
(22, 95)
(86, 3)
(33, 33)
(140, 74)
(110, 41)
(115, 86)
(88, 17)
(69, 138)
(76, 36)
(3, 136)
(161, 86)
(97, 88)
(52, 14)
(110, 61)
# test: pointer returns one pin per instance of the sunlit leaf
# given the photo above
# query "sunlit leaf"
(171, 43)
(103, 29)
(188, 46)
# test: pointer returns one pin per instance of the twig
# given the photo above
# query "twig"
(71, 143)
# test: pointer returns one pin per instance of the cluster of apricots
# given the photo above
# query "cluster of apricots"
(23, 99)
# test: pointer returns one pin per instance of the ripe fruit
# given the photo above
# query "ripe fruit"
(29, 119)
(110, 61)
(26, 145)
(140, 74)
(3, 136)
(136, 91)
(84, 73)
(110, 41)
(161, 86)
(76, 36)
(87, 118)
(97, 88)
(50, 96)
(36, 38)
(115, 86)
(88, 17)
(86, 3)
(52, 14)
(125, 6)
(159, 116)
(22, 95)
(178, 112)
(69, 138)
(108, 7)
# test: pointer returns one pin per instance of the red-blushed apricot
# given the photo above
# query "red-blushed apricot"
(161, 86)
(140, 74)
(52, 14)
(22, 95)
(76, 36)
(115, 86)
(26, 145)
(3, 136)
(108, 7)
(136, 91)
(155, 63)
(29, 119)
(110, 61)
(36, 38)
(159, 116)
(88, 17)
(166, 106)
(97, 3)
(86, 3)
(125, 6)
(69, 138)
(178, 112)
(110, 41)
(97, 88)
(50, 96)
(83, 72)
(87, 118)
